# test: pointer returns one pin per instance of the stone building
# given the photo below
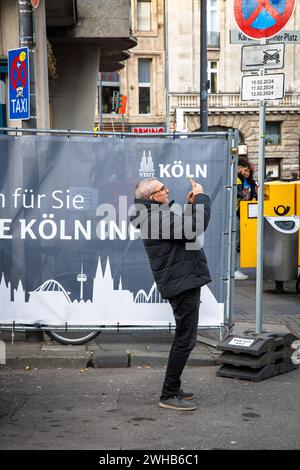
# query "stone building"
(226, 110)
(142, 80)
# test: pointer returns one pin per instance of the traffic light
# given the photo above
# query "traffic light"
(122, 105)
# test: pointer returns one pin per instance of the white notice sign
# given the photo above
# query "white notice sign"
(263, 87)
(252, 211)
(241, 342)
(263, 56)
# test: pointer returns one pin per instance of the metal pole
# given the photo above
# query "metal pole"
(234, 152)
(260, 217)
(203, 68)
(41, 65)
(26, 39)
(19, 131)
(100, 102)
(167, 81)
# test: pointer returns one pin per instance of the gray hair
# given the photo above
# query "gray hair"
(145, 188)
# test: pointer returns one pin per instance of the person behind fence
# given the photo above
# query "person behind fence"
(246, 191)
(249, 186)
(179, 267)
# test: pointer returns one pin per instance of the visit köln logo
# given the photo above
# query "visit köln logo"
(262, 18)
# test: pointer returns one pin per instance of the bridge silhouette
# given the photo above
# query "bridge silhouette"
(53, 286)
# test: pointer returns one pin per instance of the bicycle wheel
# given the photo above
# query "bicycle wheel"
(75, 338)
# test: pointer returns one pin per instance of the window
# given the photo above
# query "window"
(212, 23)
(144, 72)
(241, 139)
(212, 75)
(110, 82)
(272, 169)
(144, 15)
(273, 133)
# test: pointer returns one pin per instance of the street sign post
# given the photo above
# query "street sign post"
(262, 56)
(262, 18)
(18, 80)
(263, 87)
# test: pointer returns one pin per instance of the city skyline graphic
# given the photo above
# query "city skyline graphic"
(50, 303)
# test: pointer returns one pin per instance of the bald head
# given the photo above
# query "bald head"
(145, 188)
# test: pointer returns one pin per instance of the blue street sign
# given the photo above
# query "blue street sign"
(18, 88)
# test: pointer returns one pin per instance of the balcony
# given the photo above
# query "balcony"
(232, 103)
(61, 13)
(90, 21)
(105, 24)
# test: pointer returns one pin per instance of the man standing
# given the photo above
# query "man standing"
(179, 268)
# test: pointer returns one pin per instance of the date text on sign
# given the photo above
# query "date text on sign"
(263, 87)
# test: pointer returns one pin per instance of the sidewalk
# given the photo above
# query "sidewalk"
(151, 348)
(279, 310)
(110, 349)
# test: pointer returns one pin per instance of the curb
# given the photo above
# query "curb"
(107, 359)
(42, 362)
(100, 360)
(140, 359)
(28, 357)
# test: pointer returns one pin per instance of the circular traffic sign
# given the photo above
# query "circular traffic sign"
(18, 72)
(35, 3)
(262, 18)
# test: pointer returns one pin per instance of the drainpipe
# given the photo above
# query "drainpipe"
(203, 68)
(166, 47)
(26, 39)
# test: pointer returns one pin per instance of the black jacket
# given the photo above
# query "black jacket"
(175, 268)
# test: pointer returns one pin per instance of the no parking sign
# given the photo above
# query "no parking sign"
(18, 77)
(262, 18)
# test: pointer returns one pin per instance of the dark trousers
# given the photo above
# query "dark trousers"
(186, 312)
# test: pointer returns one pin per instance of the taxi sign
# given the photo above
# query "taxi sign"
(18, 83)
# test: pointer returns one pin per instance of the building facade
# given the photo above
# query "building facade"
(142, 80)
(72, 41)
(226, 110)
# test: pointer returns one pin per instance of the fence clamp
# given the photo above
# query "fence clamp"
(13, 332)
